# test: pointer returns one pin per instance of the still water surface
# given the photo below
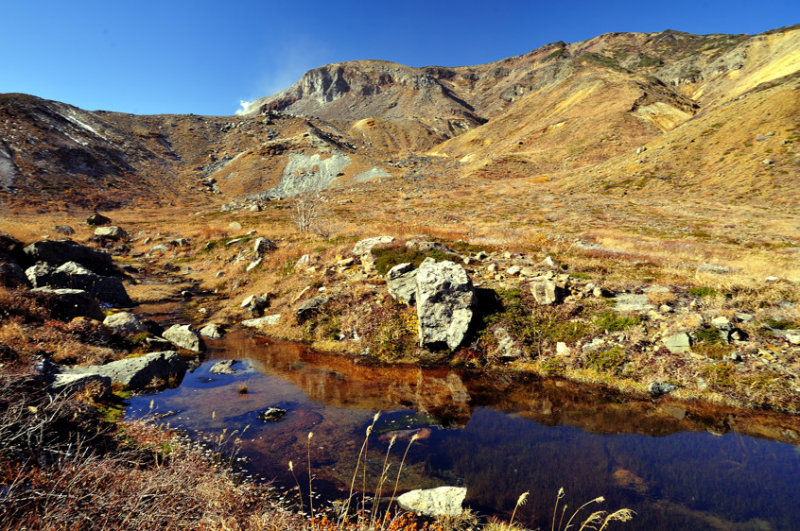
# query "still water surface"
(499, 437)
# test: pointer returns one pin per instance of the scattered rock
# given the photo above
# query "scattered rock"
(266, 320)
(235, 225)
(428, 247)
(310, 306)
(660, 388)
(401, 280)
(544, 291)
(562, 349)
(440, 501)
(768, 161)
(66, 230)
(365, 246)
(630, 302)
(124, 323)
(223, 367)
(152, 370)
(272, 414)
(445, 300)
(506, 346)
(213, 331)
(111, 232)
(261, 246)
(184, 336)
(97, 220)
(159, 248)
(679, 343)
(254, 305)
(254, 264)
(513, 271)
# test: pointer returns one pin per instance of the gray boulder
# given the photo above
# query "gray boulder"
(270, 320)
(58, 252)
(184, 336)
(66, 304)
(445, 301)
(68, 383)
(152, 370)
(440, 501)
(631, 302)
(427, 247)
(262, 246)
(401, 280)
(112, 232)
(73, 275)
(365, 246)
(544, 290)
(679, 343)
(66, 230)
(660, 388)
(213, 331)
(223, 367)
(309, 306)
(124, 323)
(97, 220)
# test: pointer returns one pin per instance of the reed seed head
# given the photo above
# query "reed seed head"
(522, 498)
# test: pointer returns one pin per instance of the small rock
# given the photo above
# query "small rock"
(262, 246)
(365, 246)
(544, 291)
(235, 225)
(223, 367)
(213, 331)
(562, 349)
(272, 414)
(440, 501)
(97, 220)
(768, 161)
(124, 323)
(266, 320)
(184, 336)
(254, 264)
(401, 281)
(160, 248)
(66, 230)
(310, 306)
(630, 302)
(679, 343)
(513, 270)
(660, 388)
(111, 232)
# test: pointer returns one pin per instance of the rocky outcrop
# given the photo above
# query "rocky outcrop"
(68, 383)
(74, 276)
(152, 370)
(401, 280)
(58, 252)
(440, 501)
(262, 246)
(184, 336)
(445, 300)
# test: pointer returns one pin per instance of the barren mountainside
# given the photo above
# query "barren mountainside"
(645, 113)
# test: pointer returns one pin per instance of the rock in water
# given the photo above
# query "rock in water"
(149, 371)
(272, 414)
(184, 336)
(213, 331)
(223, 367)
(441, 501)
(445, 300)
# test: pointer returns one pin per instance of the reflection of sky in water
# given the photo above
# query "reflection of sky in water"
(687, 480)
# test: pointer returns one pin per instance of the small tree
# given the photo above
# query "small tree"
(310, 209)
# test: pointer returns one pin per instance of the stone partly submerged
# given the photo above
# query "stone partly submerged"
(184, 336)
(439, 501)
(445, 303)
(151, 371)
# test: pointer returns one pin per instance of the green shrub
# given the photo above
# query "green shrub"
(388, 257)
(718, 374)
(702, 291)
(610, 361)
(611, 321)
(780, 324)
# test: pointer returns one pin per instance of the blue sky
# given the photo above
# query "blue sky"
(204, 57)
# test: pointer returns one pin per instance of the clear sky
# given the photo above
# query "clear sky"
(204, 57)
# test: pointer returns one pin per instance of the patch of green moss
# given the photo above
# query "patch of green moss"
(388, 257)
(609, 361)
(611, 321)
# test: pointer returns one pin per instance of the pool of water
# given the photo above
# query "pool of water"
(677, 466)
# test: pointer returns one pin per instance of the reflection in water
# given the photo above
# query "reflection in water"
(497, 436)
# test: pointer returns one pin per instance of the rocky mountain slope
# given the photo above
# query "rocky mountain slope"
(580, 114)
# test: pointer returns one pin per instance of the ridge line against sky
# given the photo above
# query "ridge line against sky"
(183, 56)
